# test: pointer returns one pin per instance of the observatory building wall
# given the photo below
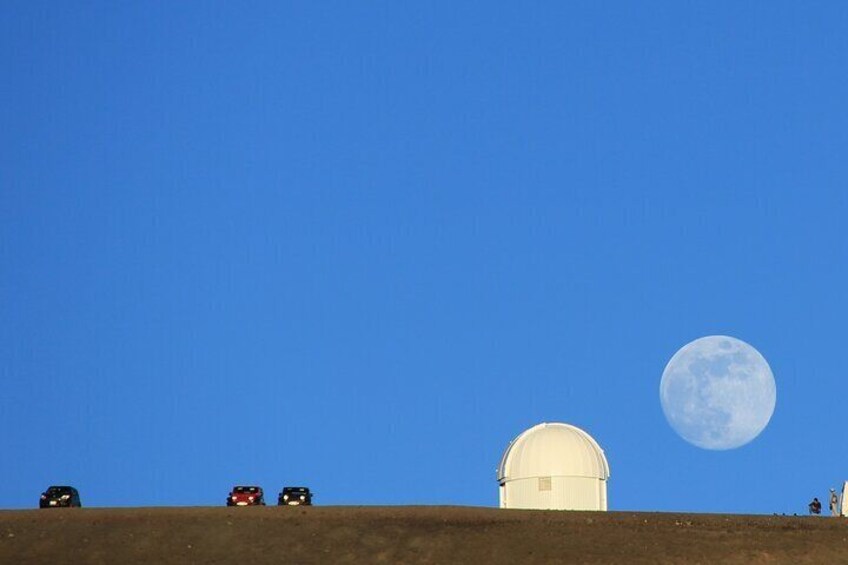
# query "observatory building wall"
(555, 493)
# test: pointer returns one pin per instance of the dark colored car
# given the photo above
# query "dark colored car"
(295, 496)
(246, 496)
(56, 497)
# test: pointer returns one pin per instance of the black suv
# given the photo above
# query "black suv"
(59, 496)
(295, 496)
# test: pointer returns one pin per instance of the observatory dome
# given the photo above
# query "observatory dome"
(554, 466)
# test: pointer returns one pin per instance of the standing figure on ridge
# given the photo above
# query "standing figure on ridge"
(834, 503)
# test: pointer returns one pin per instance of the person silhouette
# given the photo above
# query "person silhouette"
(815, 506)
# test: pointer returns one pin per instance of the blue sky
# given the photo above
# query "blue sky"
(361, 246)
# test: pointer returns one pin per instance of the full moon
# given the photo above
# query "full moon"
(718, 392)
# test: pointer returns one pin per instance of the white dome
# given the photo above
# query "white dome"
(553, 449)
(554, 467)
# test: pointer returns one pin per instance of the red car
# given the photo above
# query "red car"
(246, 496)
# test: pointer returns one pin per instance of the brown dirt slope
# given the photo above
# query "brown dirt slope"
(436, 534)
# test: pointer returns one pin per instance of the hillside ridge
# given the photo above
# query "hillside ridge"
(411, 534)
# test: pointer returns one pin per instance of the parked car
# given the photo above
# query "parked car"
(246, 496)
(55, 497)
(295, 496)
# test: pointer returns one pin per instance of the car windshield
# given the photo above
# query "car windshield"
(295, 491)
(246, 490)
(59, 490)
